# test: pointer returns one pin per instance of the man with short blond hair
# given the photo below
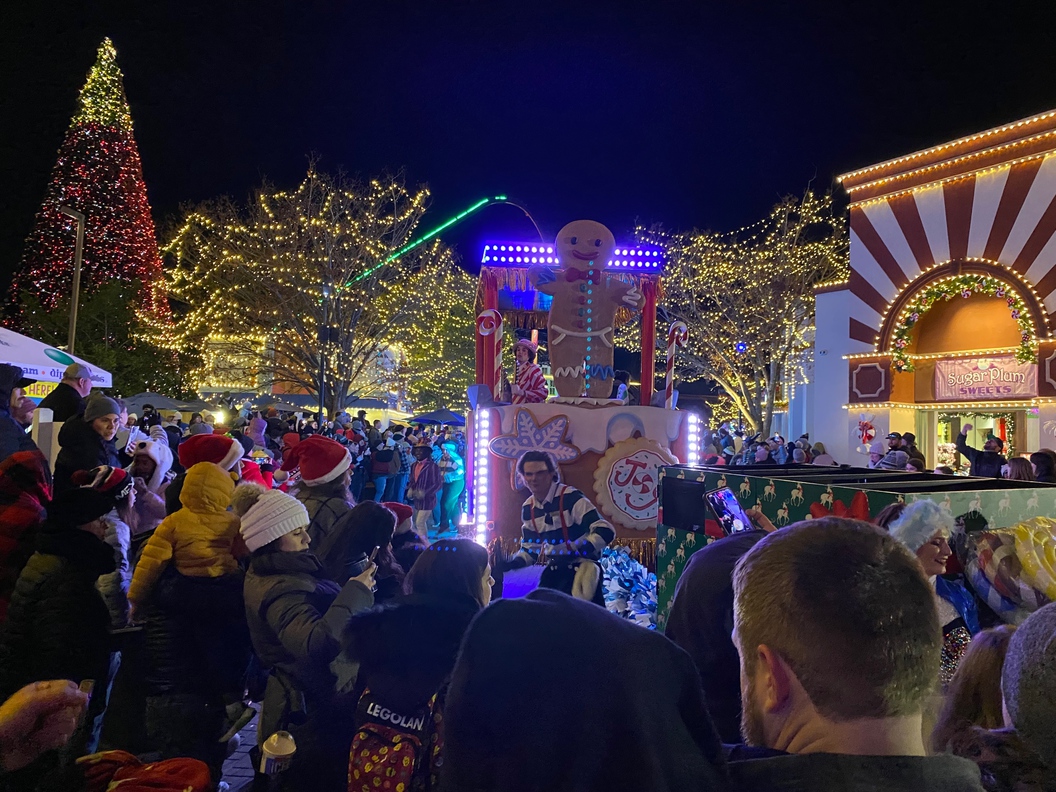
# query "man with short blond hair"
(839, 640)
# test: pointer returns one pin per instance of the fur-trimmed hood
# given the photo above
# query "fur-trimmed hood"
(157, 449)
(407, 647)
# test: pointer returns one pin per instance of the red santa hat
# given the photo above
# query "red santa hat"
(319, 458)
(218, 449)
(251, 474)
(403, 514)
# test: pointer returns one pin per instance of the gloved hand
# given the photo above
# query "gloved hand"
(517, 562)
(585, 548)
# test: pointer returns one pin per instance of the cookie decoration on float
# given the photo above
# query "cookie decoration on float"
(582, 320)
(626, 482)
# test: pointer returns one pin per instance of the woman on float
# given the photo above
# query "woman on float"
(529, 385)
(925, 528)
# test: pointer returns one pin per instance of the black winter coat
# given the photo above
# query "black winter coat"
(701, 622)
(328, 529)
(173, 626)
(13, 436)
(985, 464)
(81, 448)
(554, 693)
(64, 402)
(406, 649)
(57, 623)
(296, 617)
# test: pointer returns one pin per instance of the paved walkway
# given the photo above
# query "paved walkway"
(238, 770)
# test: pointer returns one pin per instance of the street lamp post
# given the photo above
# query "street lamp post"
(77, 252)
(324, 340)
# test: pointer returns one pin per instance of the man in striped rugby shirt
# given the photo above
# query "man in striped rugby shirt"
(561, 526)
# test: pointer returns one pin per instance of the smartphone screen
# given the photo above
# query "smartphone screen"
(728, 511)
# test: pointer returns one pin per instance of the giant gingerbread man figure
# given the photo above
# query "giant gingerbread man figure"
(582, 317)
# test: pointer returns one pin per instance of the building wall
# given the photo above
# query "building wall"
(829, 420)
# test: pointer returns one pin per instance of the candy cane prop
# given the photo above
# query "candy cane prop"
(677, 335)
(489, 323)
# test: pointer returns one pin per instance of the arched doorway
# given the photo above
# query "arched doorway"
(963, 340)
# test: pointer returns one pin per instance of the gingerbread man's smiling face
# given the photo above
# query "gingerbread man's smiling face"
(584, 244)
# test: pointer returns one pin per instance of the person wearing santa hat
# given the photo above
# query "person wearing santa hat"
(325, 468)
(216, 448)
(406, 544)
(287, 479)
(529, 386)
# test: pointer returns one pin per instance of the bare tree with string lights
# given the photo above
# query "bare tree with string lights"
(747, 298)
(307, 288)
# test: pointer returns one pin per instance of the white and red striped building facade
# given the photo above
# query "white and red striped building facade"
(981, 205)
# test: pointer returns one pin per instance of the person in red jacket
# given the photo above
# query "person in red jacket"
(25, 492)
(425, 482)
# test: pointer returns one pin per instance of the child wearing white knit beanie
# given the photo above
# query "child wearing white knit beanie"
(272, 516)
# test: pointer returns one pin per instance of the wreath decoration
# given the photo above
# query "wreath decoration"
(965, 286)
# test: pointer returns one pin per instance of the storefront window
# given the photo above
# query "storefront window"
(984, 425)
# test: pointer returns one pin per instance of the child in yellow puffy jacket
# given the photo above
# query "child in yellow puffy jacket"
(198, 539)
(201, 541)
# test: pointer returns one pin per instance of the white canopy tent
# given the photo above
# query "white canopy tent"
(41, 362)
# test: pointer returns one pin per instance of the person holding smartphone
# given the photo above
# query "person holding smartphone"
(701, 621)
(296, 616)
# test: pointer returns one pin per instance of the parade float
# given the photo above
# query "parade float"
(1005, 541)
(580, 289)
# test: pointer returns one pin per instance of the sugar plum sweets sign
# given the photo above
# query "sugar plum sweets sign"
(974, 379)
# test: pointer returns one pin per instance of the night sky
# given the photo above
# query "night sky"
(690, 114)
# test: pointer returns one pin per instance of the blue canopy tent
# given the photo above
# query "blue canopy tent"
(443, 416)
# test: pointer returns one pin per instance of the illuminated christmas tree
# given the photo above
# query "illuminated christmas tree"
(98, 173)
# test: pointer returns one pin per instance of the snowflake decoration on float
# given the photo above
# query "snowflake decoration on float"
(530, 436)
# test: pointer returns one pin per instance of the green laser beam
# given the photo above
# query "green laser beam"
(426, 237)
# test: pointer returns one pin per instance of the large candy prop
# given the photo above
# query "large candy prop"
(1014, 569)
(582, 319)
(677, 335)
(489, 327)
(527, 435)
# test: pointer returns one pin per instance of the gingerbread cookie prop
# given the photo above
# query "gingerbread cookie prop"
(582, 319)
(627, 481)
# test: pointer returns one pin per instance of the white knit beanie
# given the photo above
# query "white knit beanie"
(274, 514)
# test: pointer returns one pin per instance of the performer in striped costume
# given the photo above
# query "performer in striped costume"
(563, 528)
(529, 385)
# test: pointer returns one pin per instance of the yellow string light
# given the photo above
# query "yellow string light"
(259, 283)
